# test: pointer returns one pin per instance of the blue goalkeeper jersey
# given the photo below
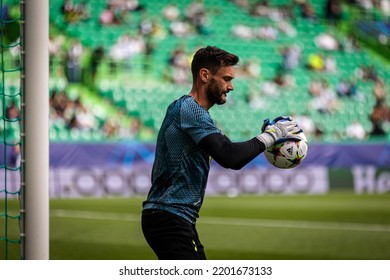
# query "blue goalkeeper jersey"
(181, 168)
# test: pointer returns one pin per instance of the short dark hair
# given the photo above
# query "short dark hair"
(212, 58)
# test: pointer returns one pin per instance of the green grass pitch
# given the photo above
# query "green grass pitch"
(300, 227)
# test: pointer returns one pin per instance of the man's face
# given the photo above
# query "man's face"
(220, 84)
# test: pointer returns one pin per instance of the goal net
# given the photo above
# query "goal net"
(10, 130)
(24, 137)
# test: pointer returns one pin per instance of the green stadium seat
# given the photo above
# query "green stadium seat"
(144, 99)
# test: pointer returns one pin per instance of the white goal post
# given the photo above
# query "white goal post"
(35, 129)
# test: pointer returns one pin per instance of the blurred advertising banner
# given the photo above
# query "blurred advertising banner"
(309, 180)
(98, 182)
(135, 180)
(116, 169)
(129, 154)
(369, 179)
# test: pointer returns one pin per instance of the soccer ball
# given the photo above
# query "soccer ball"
(289, 153)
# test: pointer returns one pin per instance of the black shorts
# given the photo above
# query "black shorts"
(171, 237)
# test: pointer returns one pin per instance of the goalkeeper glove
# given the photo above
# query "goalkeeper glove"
(279, 130)
(275, 120)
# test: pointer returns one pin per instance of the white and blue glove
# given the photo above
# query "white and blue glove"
(279, 130)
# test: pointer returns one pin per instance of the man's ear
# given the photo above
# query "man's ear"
(204, 75)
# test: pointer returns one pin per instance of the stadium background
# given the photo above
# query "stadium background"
(114, 70)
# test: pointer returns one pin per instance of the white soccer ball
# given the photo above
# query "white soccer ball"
(289, 153)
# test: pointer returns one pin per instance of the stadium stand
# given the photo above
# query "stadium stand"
(122, 62)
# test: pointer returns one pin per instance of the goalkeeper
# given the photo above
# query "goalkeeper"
(187, 141)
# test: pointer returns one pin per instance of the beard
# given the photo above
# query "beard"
(215, 94)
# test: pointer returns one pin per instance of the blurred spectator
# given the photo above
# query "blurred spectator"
(325, 101)
(380, 118)
(380, 90)
(74, 13)
(287, 28)
(243, 31)
(14, 156)
(180, 28)
(67, 6)
(385, 8)
(318, 133)
(159, 31)
(124, 49)
(96, 58)
(73, 62)
(291, 57)
(307, 10)
(279, 13)
(130, 129)
(130, 5)
(12, 111)
(116, 11)
(326, 42)
(171, 12)
(255, 97)
(58, 102)
(316, 62)
(70, 114)
(307, 124)
(266, 32)
(261, 8)
(288, 11)
(315, 86)
(355, 130)
(282, 79)
(367, 5)
(178, 64)
(269, 88)
(14, 50)
(85, 117)
(333, 11)
(275, 86)
(150, 48)
(367, 73)
(195, 13)
(5, 16)
(346, 88)
(242, 3)
(108, 17)
(111, 128)
(135, 127)
(83, 10)
(349, 43)
(342, 88)
(319, 62)
(77, 116)
(55, 48)
(146, 25)
(354, 89)
(330, 64)
(251, 68)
